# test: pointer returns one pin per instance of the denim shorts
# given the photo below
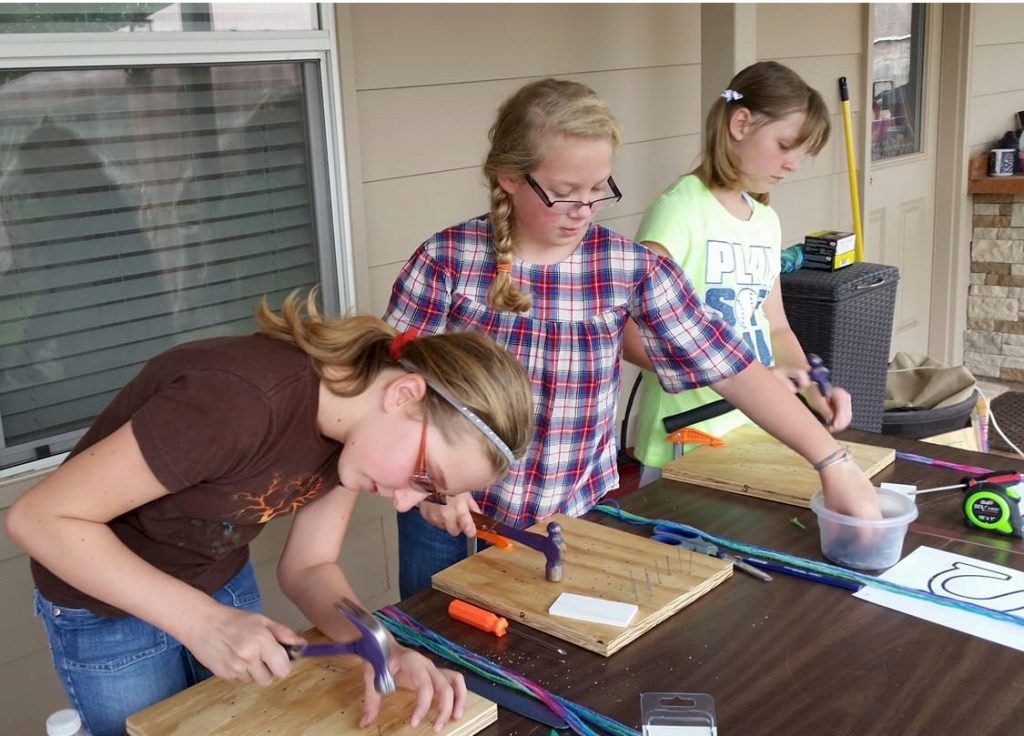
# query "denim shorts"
(423, 549)
(111, 667)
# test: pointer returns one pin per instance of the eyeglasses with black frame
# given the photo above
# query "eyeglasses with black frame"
(566, 206)
(420, 479)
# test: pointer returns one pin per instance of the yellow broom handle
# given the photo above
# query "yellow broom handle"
(851, 169)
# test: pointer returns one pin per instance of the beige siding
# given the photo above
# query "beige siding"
(821, 43)
(821, 30)
(423, 126)
(434, 44)
(997, 84)
(647, 102)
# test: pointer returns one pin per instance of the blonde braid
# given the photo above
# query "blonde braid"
(503, 293)
(535, 114)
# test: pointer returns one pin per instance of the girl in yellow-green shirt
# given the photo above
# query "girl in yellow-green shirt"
(716, 223)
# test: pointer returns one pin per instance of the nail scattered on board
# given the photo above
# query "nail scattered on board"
(796, 522)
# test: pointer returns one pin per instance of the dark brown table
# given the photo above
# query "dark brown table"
(790, 656)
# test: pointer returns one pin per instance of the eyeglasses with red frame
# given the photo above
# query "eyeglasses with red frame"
(420, 479)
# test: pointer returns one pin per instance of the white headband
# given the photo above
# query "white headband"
(465, 411)
(731, 95)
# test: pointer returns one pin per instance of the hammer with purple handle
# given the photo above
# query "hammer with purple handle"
(819, 374)
(551, 546)
(372, 645)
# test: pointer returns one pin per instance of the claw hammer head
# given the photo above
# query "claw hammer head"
(372, 646)
(819, 374)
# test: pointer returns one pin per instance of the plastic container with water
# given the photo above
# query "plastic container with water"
(866, 544)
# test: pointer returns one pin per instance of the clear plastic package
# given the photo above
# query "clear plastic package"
(678, 714)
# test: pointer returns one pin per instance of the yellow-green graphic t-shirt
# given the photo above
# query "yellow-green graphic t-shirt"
(733, 265)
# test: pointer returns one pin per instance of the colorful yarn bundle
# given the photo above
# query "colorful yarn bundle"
(409, 631)
(792, 258)
(822, 568)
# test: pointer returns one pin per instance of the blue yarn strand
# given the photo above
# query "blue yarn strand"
(821, 568)
(409, 631)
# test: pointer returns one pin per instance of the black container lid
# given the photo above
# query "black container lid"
(826, 286)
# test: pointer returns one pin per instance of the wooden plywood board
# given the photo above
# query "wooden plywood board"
(598, 561)
(756, 464)
(321, 697)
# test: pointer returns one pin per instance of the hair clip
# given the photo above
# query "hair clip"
(399, 341)
(731, 95)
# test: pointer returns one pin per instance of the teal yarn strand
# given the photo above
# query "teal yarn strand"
(822, 568)
(409, 631)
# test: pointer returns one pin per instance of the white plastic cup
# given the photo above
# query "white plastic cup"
(866, 544)
(65, 722)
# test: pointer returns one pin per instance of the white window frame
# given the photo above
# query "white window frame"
(114, 49)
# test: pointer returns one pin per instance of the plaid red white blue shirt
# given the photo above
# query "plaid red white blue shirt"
(570, 342)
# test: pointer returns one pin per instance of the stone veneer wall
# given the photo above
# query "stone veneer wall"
(994, 343)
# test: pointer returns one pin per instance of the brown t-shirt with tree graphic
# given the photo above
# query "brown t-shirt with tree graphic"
(228, 426)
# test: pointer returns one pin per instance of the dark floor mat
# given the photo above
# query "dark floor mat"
(1008, 410)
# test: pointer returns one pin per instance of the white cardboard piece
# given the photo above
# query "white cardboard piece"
(595, 610)
(961, 578)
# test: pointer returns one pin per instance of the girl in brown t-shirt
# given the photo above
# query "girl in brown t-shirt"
(139, 541)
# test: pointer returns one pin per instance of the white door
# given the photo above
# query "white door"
(901, 157)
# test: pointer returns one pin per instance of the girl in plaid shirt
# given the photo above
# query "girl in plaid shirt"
(538, 276)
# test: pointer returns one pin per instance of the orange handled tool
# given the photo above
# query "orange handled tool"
(496, 539)
(484, 620)
(694, 436)
(467, 613)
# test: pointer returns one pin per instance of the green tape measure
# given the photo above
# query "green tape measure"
(993, 507)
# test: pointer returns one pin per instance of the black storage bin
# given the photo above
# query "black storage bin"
(845, 317)
(917, 423)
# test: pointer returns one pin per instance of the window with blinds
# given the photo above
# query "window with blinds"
(156, 17)
(141, 208)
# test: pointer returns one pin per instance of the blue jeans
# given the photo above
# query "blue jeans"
(111, 667)
(423, 550)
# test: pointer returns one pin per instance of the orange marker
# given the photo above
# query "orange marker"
(467, 613)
